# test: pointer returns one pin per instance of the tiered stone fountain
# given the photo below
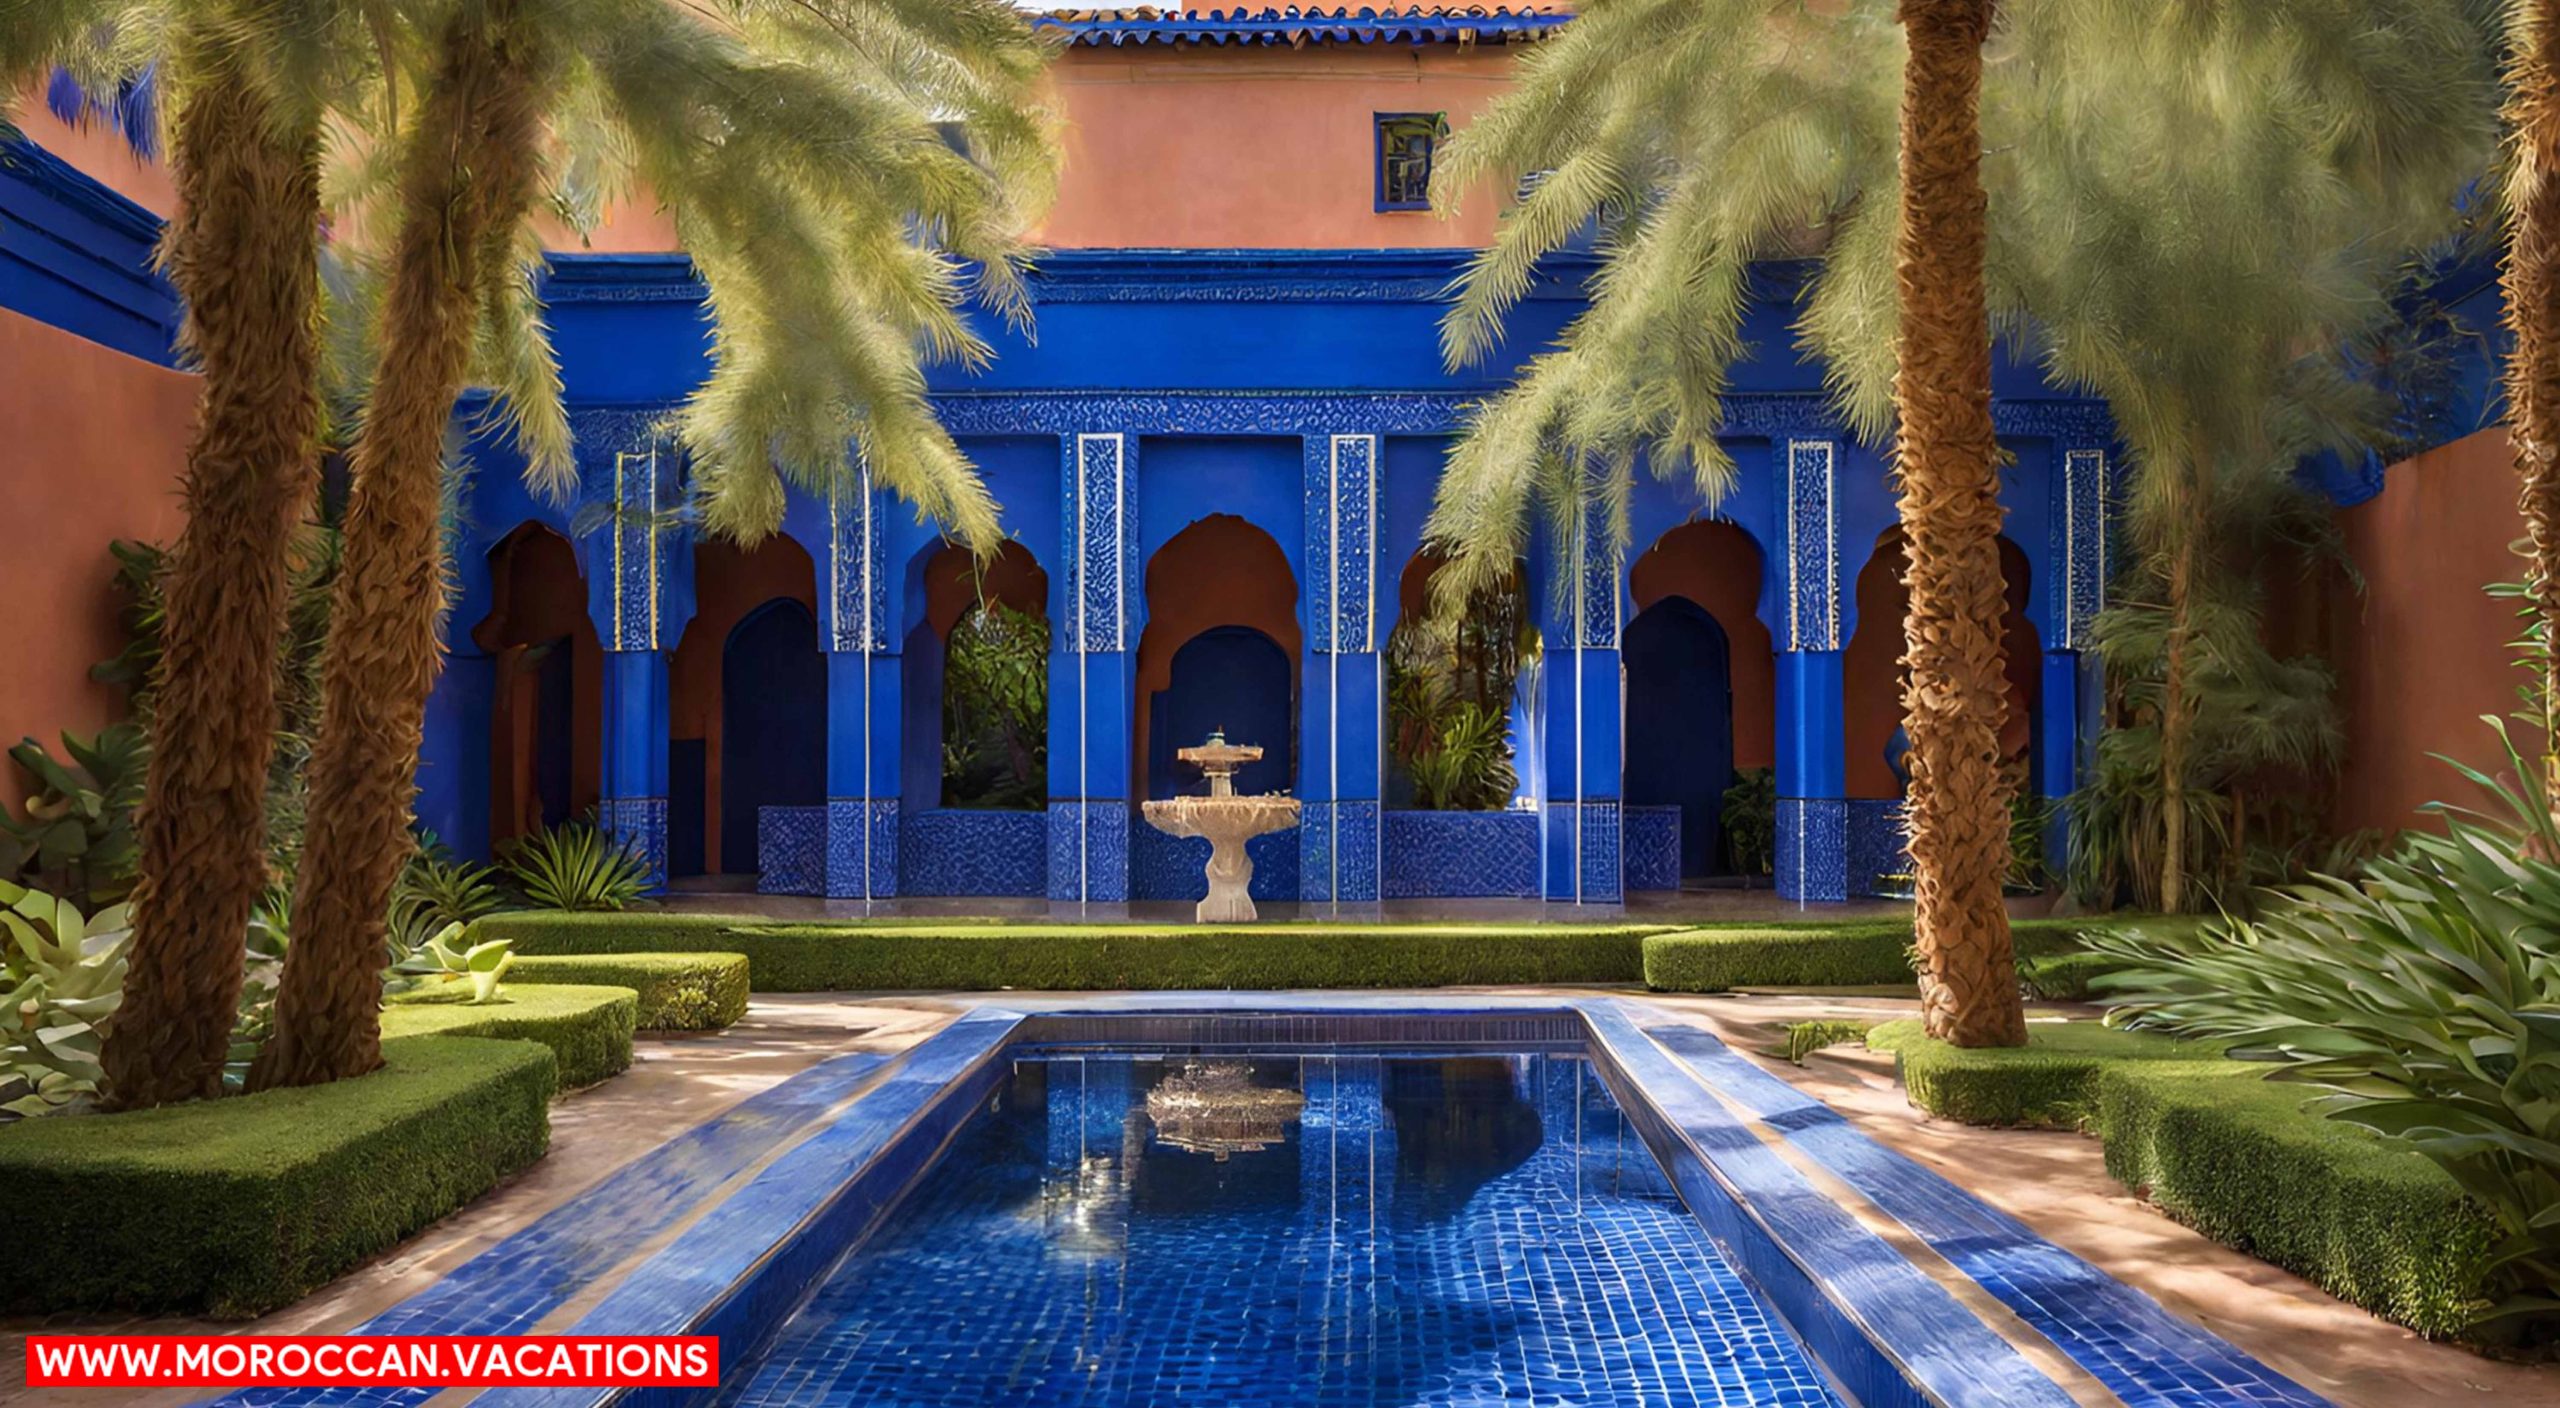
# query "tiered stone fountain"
(1228, 821)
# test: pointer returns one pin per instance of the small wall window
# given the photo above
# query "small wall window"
(1406, 141)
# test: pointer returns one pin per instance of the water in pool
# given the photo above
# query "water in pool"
(1382, 1229)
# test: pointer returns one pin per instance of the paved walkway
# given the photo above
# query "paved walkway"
(2054, 1182)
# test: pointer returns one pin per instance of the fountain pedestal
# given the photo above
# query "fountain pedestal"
(1227, 821)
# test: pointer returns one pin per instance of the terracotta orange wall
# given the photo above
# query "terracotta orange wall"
(93, 442)
(539, 598)
(1717, 568)
(1226, 148)
(94, 149)
(728, 582)
(2424, 653)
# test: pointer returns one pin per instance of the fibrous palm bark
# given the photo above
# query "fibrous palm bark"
(1945, 455)
(243, 250)
(2533, 317)
(468, 177)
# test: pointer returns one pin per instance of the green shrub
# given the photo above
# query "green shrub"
(233, 1207)
(1805, 1038)
(2052, 1081)
(2369, 1220)
(576, 866)
(1859, 954)
(679, 992)
(587, 1028)
(2066, 977)
(536, 932)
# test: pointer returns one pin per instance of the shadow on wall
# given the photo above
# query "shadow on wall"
(1225, 586)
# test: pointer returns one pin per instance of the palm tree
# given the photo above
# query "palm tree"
(2533, 319)
(1702, 135)
(242, 250)
(805, 148)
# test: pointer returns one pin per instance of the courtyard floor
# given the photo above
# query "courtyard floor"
(2053, 1181)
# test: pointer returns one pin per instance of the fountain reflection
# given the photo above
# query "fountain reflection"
(1214, 1108)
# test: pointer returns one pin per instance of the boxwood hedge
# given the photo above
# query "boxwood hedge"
(233, 1207)
(1854, 954)
(588, 1029)
(2052, 1081)
(679, 992)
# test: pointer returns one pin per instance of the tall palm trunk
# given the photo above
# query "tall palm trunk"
(466, 182)
(2177, 715)
(1951, 515)
(2533, 317)
(243, 250)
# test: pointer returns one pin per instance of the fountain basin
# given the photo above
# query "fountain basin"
(1226, 822)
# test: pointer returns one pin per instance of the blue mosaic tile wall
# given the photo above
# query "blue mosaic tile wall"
(1877, 846)
(1096, 872)
(1598, 825)
(791, 848)
(1461, 855)
(1163, 867)
(848, 821)
(1357, 828)
(956, 851)
(1653, 848)
(641, 824)
(1813, 848)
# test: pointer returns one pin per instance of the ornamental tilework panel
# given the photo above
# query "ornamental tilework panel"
(2081, 527)
(1461, 855)
(1355, 823)
(1653, 848)
(1877, 846)
(952, 851)
(857, 585)
(791, 850)
(641, 824)
(1813, 843)
(1096, 872)
(1341, 519)
(1598, 825)
(862, 834)
(1813, 546)
(1097, 549)
(1163, 867)
(626, 467)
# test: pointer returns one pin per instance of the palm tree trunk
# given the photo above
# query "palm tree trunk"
(2533, 317)
(243, 250)
(1946, 458)
(467, 181)
(2175, 715)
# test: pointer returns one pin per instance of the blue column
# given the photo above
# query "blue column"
(1342, 753)
(453, 758)
(863, 699)
(1581, 689)
(632, 805)
(1813, 810)
(2073, 687)
(1093, 674)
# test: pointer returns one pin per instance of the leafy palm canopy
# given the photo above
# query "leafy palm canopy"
(2191, 203)
(847, 175)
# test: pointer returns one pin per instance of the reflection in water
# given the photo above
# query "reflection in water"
(1460, 1124)
(1214, 1108)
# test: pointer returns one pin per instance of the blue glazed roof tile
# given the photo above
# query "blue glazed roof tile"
(1299, 27)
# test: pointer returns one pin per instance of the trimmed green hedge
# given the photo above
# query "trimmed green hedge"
(679, 992)
(1857, 954)
(234, 1207)
(873, 957)
(2371, 1223)
(2052, 1081)
(587, 1028)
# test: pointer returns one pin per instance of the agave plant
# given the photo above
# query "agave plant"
(69, 978)
(436, 890)
(2425, 1001)
(577, 866)
(442, 959)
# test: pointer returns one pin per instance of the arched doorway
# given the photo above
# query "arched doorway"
(773, 724)
(1455, 709)
(1701, 693)
(976, 682)
(546, 716)
(1872, 667)
(1224, 587)
(1679, 727)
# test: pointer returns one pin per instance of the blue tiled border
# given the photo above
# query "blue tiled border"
(1889, 1334)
